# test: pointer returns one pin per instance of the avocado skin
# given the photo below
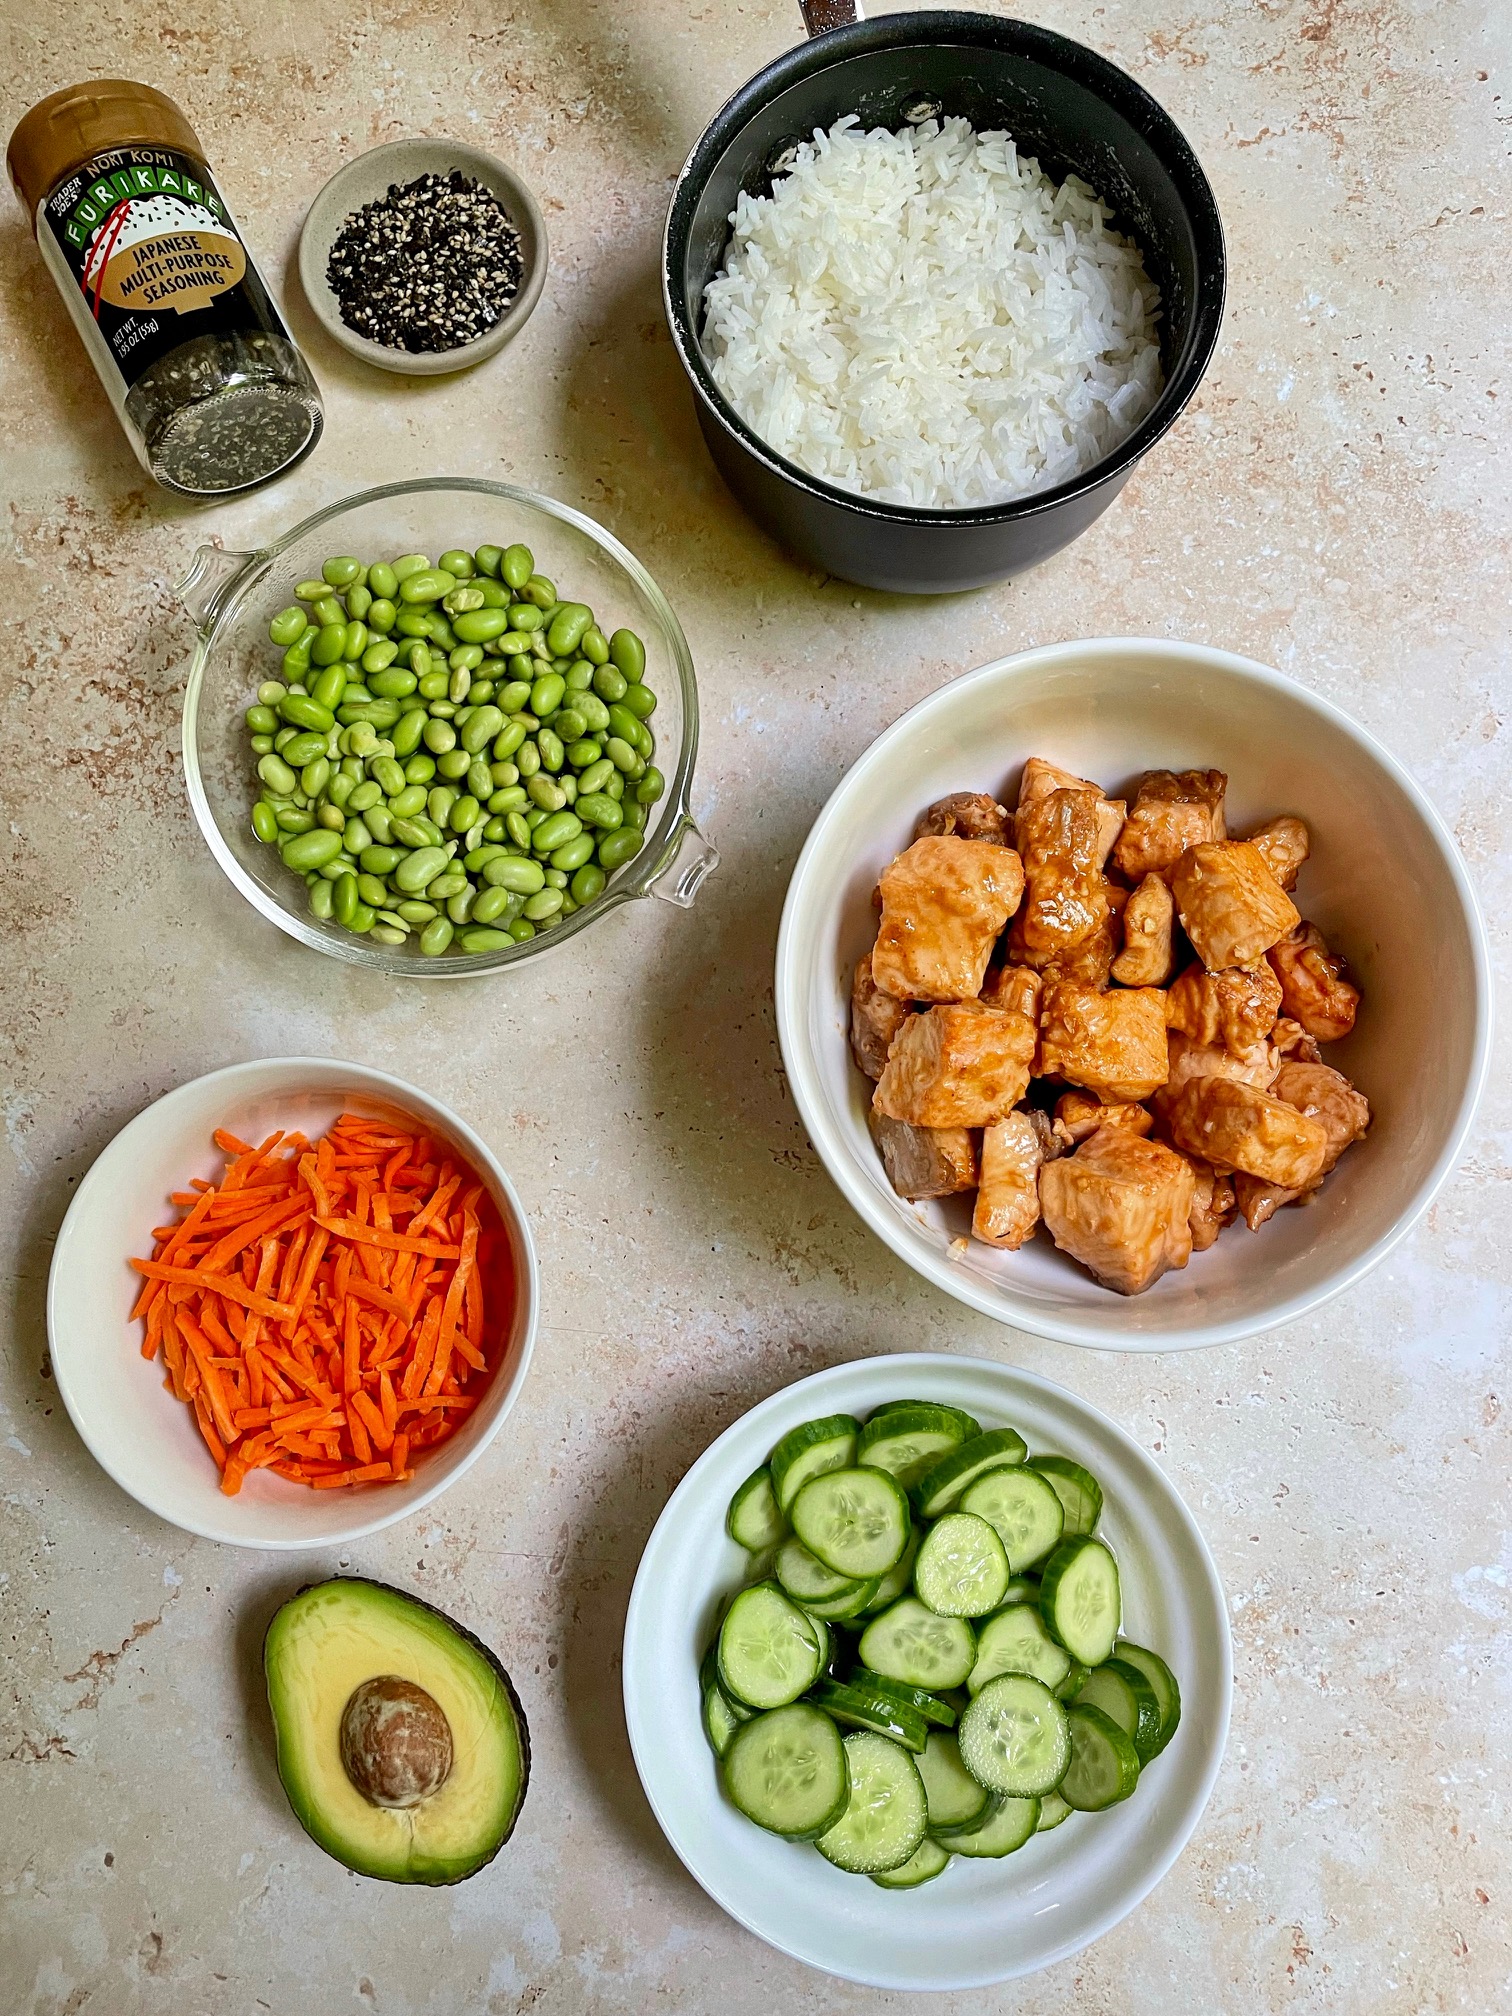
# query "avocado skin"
(295, 1794)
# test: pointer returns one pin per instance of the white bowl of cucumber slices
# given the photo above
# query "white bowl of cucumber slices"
(927, 1672)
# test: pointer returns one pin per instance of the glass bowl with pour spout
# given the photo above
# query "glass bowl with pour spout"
(234, 596)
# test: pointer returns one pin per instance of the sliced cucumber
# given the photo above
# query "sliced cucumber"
(1022, 1509)
(1074, 1681)
(940, 1488)
(787, 1771)
(1021, 1589)
(926, 1862)
(1014, 1737)
(769, 1651)
(856, 1521)
(809, 1450)
(962, 1570)
(1008, 1825)
(884, 1818)
(763, 1566)
(1053, 1809)
(969, 1423)
(910, 1643)
(851, 1601)
(753, 1518)
(1104, 1765)
(805, 1577)
(956, 1801)
(858, 1706)
(897, 1581)
(1127, 1698)
(907, 1441)
(721, 1715)
(1078, 1490)
(1080, 1600)
(1016, 1641)
(1162, 1680)
(933, 1707)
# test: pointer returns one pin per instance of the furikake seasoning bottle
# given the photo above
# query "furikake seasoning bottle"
(199, 367)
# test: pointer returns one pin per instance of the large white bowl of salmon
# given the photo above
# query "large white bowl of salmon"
(1135, 995)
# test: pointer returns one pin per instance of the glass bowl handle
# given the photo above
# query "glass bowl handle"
(685, 867)
(206, 587)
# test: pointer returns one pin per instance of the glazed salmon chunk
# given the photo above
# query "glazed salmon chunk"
(1285, 843)
(875, 1018)
(1113, 1044)
(944, 901)
(1315, 989)
(1172, 811)
(957, 1066)
(1231, 906)
(1324, 1095)
(1237, 1126)
(1148, 957)
(1120, 1205)
(1007, 1205)
(925, 1161)
(1235, 1008)
(1065, 894)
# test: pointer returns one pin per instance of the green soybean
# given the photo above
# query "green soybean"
(415, 870)
(568, 626)
(304, 851)
(264, 821)
(322, 900)
(571, 854)
(329, 689)
(277, 775)
(594, 645)
(495, 903)
(597, 808)
(288, 625)
(555, 831)
(615, 849)
(479, 938)
(436, 938)
(610, 684)
(481, 626)
(342, 571)
(487, 559)
(516, 566)
(407, 732)
(513, 872)
(381, 614)
(587, 883)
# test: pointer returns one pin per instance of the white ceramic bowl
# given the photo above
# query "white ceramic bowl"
(980, 1921)
(131, 1425)
(1385, 884)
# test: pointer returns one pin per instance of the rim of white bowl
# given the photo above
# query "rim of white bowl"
(1022, 1313)
(906, 1362)
(400, 1093)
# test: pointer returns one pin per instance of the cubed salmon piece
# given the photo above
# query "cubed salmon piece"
(875, 1018)
(1040, 778)
(1285, 843)
(970, 815)
(944, 901)
(1007, 1202)
(1315, 986)
(1172, 810)
(925, 1161)
(1149, 929)
(1079, 1114)
(1065, 899)
(1235, 1007)
(1121, 1205)
(1237, 1126)
(1015, 987)
(1231, 906)
(1324, 1095)
(957, 1066)
(1113, 1044)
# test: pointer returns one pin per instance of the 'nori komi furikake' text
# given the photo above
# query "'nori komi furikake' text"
(430, 266)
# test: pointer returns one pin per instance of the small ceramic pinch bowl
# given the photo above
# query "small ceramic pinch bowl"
(369, 178)
(133, 1427)
(1384, 883)
(981, 1921)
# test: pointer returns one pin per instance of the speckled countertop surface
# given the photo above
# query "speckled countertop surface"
(1336, 503)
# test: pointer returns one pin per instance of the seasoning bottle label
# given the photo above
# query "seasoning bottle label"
(153, 248)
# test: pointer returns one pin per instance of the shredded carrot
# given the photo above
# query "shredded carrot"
(300, 1323)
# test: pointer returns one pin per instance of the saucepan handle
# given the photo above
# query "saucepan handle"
(819, 16)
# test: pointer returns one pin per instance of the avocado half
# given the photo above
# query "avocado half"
(322, 1645)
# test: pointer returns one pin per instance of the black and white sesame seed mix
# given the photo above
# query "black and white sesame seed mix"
(430, 266)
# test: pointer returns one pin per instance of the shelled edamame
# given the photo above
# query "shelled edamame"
(452, 752)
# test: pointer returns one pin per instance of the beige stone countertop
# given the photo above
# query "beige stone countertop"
(1336, 503)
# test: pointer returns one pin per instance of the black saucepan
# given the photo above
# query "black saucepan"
(1061, 102)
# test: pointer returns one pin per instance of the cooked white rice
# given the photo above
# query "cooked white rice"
(926, 318)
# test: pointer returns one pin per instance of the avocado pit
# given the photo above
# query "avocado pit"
(396, 1743)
